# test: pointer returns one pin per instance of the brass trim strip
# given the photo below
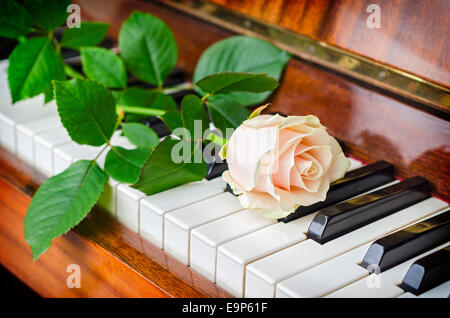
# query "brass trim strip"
(321, 53)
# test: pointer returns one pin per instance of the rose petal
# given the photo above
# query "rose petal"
(245, 149)
(282, 169)
(312, 185)
(296, 173)
(264, 121)
(315, 171)
(264, 182)
(299, 123)
(323, 156)
(299, 197)
(340, 163)
(258, 200)
(273, 214)
(263, 204)
(286, 138)
(234, 186)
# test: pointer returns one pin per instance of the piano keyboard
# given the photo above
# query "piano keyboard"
(320, 251)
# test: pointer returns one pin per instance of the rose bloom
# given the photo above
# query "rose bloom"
(277, 164)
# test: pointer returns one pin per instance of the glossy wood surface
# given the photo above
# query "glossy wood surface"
(372, 125)
(114, 261)
(413, 35)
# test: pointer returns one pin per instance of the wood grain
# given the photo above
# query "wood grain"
(372, 125)
(114, 261)
(101, 274)
(413, 34)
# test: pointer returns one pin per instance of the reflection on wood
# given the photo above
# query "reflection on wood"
(412, 37)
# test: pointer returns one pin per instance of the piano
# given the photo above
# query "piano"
(384, 229)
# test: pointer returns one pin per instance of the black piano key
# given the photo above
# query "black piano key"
(339, 219)
(400, 246)
(178, 76)
(354, 182)
(151, 120)
(215, 169)
(157, 125)
(6, 47)
(228, 188)
(178, 96)
(428, 272)
(161, 129)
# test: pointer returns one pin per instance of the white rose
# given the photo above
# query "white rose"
(277, 164)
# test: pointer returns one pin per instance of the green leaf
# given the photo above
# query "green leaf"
(48, 95)
(140, 135)
(14, 20)
(124, 165)
(33, 64)
(47, 14)
(164, 102)
(104, 66)
(242, 54)
(160, 172)
(89, 34)
(136, 96)
(192, 110)
(226, 113)
(71, 72)
(148, 47)
(61, 203)
(227, 82)
(172, 119)
(87, 110)
(147, 98)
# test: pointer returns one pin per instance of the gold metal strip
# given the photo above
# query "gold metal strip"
(321, 53)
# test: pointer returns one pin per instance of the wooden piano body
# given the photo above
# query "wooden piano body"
(383, 92)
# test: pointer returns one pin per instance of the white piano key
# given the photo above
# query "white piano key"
(21, 112)
(407, 295)
(387, 291)
(206, 238)
(354, 164)
(108, 199)
(179, 223)
(441, 291)
(233, 257)
(263, 275)
(326, 277)
(3, 70)
(154, 207)
(127, 206)
(65, 155)
(382, 285)
(44, 144)
(26, 133)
